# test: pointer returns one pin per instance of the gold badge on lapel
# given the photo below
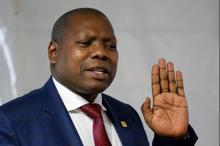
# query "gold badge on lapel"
(124, 124)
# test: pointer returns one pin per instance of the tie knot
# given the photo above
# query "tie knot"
(92, 110)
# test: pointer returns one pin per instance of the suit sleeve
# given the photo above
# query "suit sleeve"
(7, 135)
(190, 140)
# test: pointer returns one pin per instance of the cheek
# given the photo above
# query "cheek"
(62, 67)
(65, 63)
(114, 63)
(114, 60)
(74, 62)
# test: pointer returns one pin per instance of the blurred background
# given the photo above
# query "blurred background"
(183, 31)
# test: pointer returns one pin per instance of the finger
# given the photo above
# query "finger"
(163, 75)
(171, 77)
(180, 88)
(155, 79)
(146, 110)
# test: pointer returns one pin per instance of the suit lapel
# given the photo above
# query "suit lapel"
(57, 118)
(120, 122)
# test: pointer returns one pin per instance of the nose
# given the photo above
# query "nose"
(99, 52)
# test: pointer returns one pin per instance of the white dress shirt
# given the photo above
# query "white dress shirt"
(81, 121)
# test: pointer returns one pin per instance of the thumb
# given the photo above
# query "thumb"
(147, 111)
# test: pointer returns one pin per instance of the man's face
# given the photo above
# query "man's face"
(86, 57)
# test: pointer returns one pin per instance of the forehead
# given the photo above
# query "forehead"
(89, 21)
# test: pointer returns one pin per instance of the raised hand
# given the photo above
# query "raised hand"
(169, 114)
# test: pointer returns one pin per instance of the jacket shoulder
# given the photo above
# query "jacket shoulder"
(23, 104)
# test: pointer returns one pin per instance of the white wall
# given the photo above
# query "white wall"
(183, 31)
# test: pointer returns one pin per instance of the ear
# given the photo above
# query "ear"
(52, 52)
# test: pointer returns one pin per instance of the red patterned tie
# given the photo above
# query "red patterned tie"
(99, 134)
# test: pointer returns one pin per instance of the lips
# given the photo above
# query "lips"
(98, 72)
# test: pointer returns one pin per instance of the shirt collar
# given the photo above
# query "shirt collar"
(73, 101)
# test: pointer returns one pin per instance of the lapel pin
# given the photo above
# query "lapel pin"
(124, 124)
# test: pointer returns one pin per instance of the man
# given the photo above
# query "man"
(83, 61)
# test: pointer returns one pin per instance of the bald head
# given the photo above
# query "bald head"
(62, 22)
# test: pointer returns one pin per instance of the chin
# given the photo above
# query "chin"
(97, 88)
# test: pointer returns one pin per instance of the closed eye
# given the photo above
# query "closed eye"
(110, 46)
(84, 43)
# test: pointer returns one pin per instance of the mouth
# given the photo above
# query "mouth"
(98, 72)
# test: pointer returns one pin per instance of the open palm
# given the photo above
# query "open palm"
(169, 114)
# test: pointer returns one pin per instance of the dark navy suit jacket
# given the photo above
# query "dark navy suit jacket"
(40, 118)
